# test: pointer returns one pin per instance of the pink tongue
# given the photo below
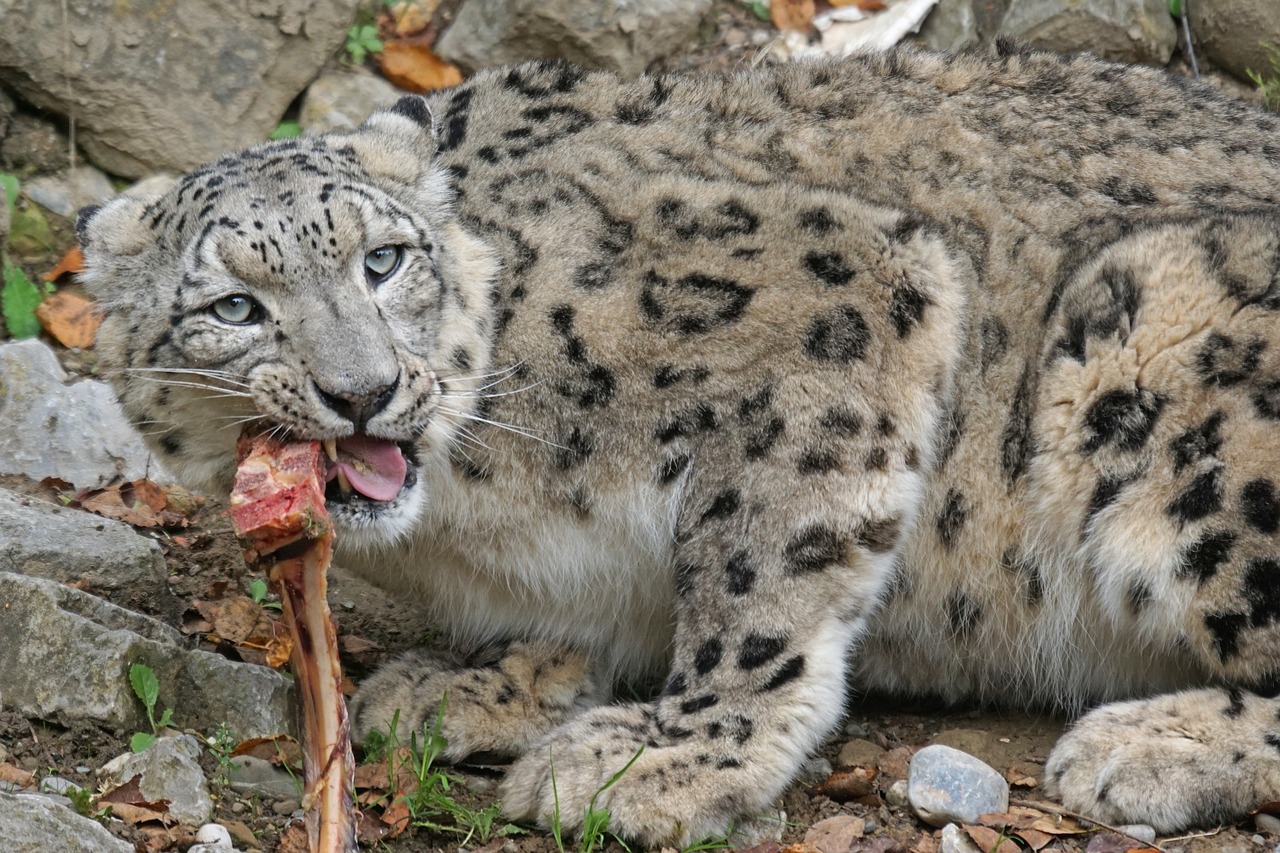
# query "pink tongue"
(375, 468)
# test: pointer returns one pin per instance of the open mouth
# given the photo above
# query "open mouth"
(363, 468)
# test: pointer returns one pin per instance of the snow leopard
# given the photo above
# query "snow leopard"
(935, 375)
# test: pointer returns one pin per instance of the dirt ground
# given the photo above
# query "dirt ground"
(866, 757)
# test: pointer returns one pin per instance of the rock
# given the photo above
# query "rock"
(58, 785)
(169, 769)
(859, 753)
(1140, 831)
(31, 823)
(1232, 33)
(956, 840)
(33, 144)
(285, 807)
(839, 834)
(248, 774)
(67, 192)
(213, 833)
(46, 541)
(896, 796)
(945, 784)
(167, 84)
(816, 769)
(624, 35)
(76, 432)
(1121, 30)
(340, 100)
(751, 831)
(951, 26)
(1270, 824)
(64, 656)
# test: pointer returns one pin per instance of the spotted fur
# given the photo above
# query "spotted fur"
(947, 375)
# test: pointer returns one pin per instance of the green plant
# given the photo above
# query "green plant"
(9, 183)
(18, 300)
(362, 40)
(221, 744)
(595, 821)
(1269, 87)
(758, 7)
(147, 688)
(289, 129)
(261, 595)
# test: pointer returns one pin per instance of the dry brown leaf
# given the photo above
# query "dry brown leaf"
(70, 319)
(370, 830)
(413, 16)
(241, 834)
(792, 14)
(134, 815)
(71, 262)
(864, 5)
(396, 815)
(845, 785)
(274, 749)
(238, 619)
(141, 503)
(279, 648)
(293, 838)
(989, 840)
(836, 834)
(17, 776)
(415, 68)
(158, 838)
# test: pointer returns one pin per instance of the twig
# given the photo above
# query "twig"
(1053, 808)
(1206, 834)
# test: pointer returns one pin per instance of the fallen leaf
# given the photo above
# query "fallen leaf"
(845, 785)
(794, 15)
(415, 68)
(157, 838)
(278, 650)
(838, 834)
(141, 503)
(278, 749)
(369, 830)
(293, 838)
(864, 5)
(241, 833)
(69, 319)
(412, 17)
(237, 619)
(1114, 842)
(989, 840)
(71, 262)
(396, 816)
(16, 776)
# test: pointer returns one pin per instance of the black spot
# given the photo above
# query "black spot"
(1127, 191)
(724, 505)
(841, 421)
(170, 443)
(666, 376)
(816, 221)
(1223, 362)
(906, 309)
(1261, 588)
(813, 549)
(1203, 558)
(789, 671)
(818, 461)
(692, 706)
(1105, 306)
(1201, 498)
(1272, 739)
(1197, 443)
(1122, 419)
(1016, 442)
(995, 342)
(693, 304)
(414, 108)
(762, 437)
(1261, 509)
(879, 535)
(728, 764)
(741, 576)
(1236, 708)
(885, 425)
(1029, 572)
(708, 656)
(575, 449)
(694, 420)
(952, 518)
(758, 403)
(1105, 492)
(594, 385)
(1139, 595)
(686, 576)
(676, 685)
(672, 467)
(1266, 401)
(757, 650)
(840, 335)
(829, 267)
(963, 613)
(594, 275)
(1225, 629)
(877, 459)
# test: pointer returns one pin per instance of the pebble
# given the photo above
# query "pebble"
(855, 730)
(238, 807)
(285, 807)
(1140, 831)
(4, 754)
(816, 769)
(213, 833)
(859, 753)
(84, 769)
(734, 37)
(945, 785)
(896, 796)
(58, 785)
(1267, 823)
(955, 840)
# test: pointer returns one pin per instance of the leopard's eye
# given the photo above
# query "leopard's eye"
(236, 309)
(380, 263)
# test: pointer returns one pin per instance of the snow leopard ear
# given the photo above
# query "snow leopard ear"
(118, 227)
(398, 143)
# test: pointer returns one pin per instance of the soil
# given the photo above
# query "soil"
(877, 739)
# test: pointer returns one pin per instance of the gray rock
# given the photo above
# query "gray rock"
(64, 656)
(1122, 30)
(896, 796)
(76, 432)
(815, 770)
(1140, 831)
(29, 824)
(624, 35)
(1232, 32)
(1270, 824)
(945, 784)
(47, 541)
(167, 84)
(58, 785)
(955, 840)
(753, 831)
(68, 191)
(33, 144)
(340, 100)
(951, 26)
(169, 769)
(248, 774)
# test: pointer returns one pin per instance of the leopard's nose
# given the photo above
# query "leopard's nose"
(358, 406)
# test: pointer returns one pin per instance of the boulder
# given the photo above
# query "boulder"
(32, 822)
(624, 36)
(168, 769)
(340, 100)
(1232, 33)
(1121, 30)
(951, 26)
(167, 84)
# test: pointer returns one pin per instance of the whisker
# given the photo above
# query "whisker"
(224, 375)
(499, 425)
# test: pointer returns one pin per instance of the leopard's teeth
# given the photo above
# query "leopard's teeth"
(330, 446)
(343, 483)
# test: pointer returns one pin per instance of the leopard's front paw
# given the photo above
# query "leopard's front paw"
(1184, 760)
(671, 795)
